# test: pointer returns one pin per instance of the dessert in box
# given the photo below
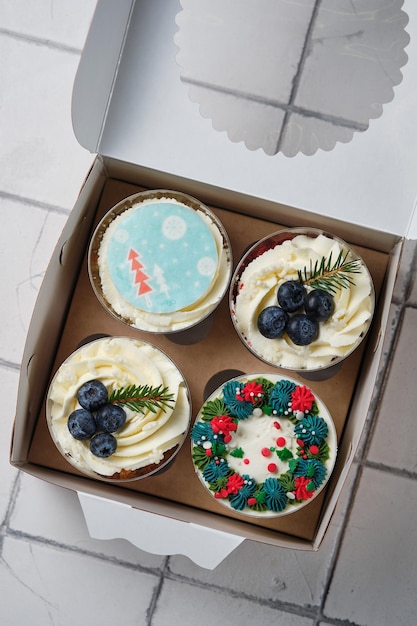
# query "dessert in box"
(160, 261)
(118, 409)
(302, 299)
(264, 445)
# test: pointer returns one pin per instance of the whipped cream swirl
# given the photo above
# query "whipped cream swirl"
(257, 289)
(119, 362)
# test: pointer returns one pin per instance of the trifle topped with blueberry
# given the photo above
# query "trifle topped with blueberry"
(301, 299)
(118, 409)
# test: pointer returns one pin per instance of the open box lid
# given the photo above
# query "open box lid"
(130, 103)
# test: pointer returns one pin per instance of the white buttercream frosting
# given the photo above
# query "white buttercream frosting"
(257, 288)
(119, 362)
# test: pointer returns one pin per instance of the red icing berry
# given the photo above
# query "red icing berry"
(209, 452)
(272, 467)
(277, 425)
(300, 442)
(251, 501)
(246, 461)
(314, 449)
(281, 441)
(266, 452)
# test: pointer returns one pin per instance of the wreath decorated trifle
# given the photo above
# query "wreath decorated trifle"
(264, 445)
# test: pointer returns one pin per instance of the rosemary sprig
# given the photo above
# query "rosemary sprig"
(330, 276)
(141, 397)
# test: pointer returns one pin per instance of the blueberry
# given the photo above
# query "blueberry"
(291, 296)
(302, 330)
(103, 445)
(81, 424)
(272, 322)
(319, 305)
(110, 418)
(92, 395)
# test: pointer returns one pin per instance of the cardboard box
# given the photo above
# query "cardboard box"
(159, 514)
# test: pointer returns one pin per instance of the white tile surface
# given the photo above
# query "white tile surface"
(231, 63)
(44, 585)
(375, 580)
(28, 239)
(202, 605)
(394, 442)
(39, 155)
(9, 379)
(62, 23)
(267, 573)
(53, 513)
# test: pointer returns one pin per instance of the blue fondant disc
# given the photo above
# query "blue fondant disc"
(162, 257)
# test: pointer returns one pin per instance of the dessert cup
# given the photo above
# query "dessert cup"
(140, 379)
(263, 445)
(160, 261)
(296, 255)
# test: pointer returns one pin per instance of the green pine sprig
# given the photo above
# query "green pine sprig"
(142, 397)
(330, 275)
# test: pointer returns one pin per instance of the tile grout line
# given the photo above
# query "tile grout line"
(156, 593)
(70, 549)
(39, 41)
(24, 200)
(286, 607)
(14, 492)
(275, 104)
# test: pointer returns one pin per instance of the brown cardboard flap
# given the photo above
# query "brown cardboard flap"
(220, 350)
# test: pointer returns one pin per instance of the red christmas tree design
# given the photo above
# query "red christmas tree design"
(140, 276)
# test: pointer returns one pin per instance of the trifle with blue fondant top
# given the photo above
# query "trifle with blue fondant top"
(163, 261)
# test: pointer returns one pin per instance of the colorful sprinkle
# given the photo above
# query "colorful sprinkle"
(281, 441)
(272, 467)
(266, 452)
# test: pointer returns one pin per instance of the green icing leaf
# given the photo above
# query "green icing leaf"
(219, 484)
(214, 408)
(310, 486)
(218, 449)
(314, 409)
(284, 455)
(260, 496)
(238, 453)
(267, 409)
(292, 464)
(310, 472)
(287, 481)
(200, 457)
(323, 453)
(266, 384)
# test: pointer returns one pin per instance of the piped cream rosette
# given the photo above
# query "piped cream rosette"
(277, 259)
(146, 437)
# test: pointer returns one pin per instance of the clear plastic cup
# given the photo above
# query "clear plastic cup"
(289, 255)
(263, 445)
(153, 432)
(160, 261)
